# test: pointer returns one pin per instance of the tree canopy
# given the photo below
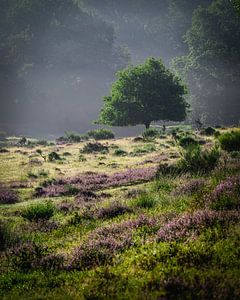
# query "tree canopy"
(142, 94)
(212, 67)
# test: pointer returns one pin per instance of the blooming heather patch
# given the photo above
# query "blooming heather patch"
(25, 255)
(92, 181)
(191, 187)
(51, 262)
(114, 210)
(43, 226)
(191, 224)
(104, 242)
(226, 195)
(7, 196)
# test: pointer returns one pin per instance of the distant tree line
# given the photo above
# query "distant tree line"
(52, 50)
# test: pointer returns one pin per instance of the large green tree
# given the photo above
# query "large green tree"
(142, 94)
(212, 67)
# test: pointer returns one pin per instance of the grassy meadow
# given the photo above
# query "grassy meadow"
(153, 217)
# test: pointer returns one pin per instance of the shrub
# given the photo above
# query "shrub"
(3, 150)
(145, 200)
(120, 152)
(52, 262)
(226, 195)
(67, 154)
(31, 175)
(94, 147)
(82, 158)
(40, 211)
(8, 237)
(71, 190)
(208, 131)
(150, 133)
(235, 154)
(53, 156)
(22, 141)
(230, 141)
(191, 187)
(187, 141)
(148, 148)
(101, 134)
(112, 211)
(73, 137)
(25, 256)
(39, 151)
(191, 224)
(196, 160)
(8, 196)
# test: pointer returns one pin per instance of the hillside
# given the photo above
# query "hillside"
(128, 218)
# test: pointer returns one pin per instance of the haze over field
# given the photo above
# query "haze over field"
(59, 58)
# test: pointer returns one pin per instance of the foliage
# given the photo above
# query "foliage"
(187, 141)
(196, 160)
(150, 133)
(8, 196)
(53, 156)
(94, 147)
(40, 211)
(120, 152)
(211, 67)
(142, 94)
(25, 256)
(145, 200)
(226, 195)
(95, 181)
(112, 211)
(148, 148)
(209, 131)
(61, 36)
(8, 236)
(22, 141)
(101, 134)
(230, 141)
(189, 224)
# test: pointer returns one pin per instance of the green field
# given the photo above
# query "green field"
(129, 222)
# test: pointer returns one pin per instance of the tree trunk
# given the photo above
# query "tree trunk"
(147, 124)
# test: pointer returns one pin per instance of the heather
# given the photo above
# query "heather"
(7, 195)
(146, 219)
(94, 181)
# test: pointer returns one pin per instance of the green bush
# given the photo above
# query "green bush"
(196, 160)
(94, 147)
(53, 156)
(40, 211)
(23, 141)
(101, 134)
(150, 133)
(230, 141)
(8, 236)
(148, 148)
(209, 131)
(73, 137)
(187, 141)
(145, 200)
(120, 152)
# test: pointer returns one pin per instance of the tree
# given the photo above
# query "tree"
(212, 67)
(52, 51)
(142, 94)
(236, 4)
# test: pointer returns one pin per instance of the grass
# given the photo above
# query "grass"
(174, 237)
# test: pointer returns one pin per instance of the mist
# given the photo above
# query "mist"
(59, 58)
